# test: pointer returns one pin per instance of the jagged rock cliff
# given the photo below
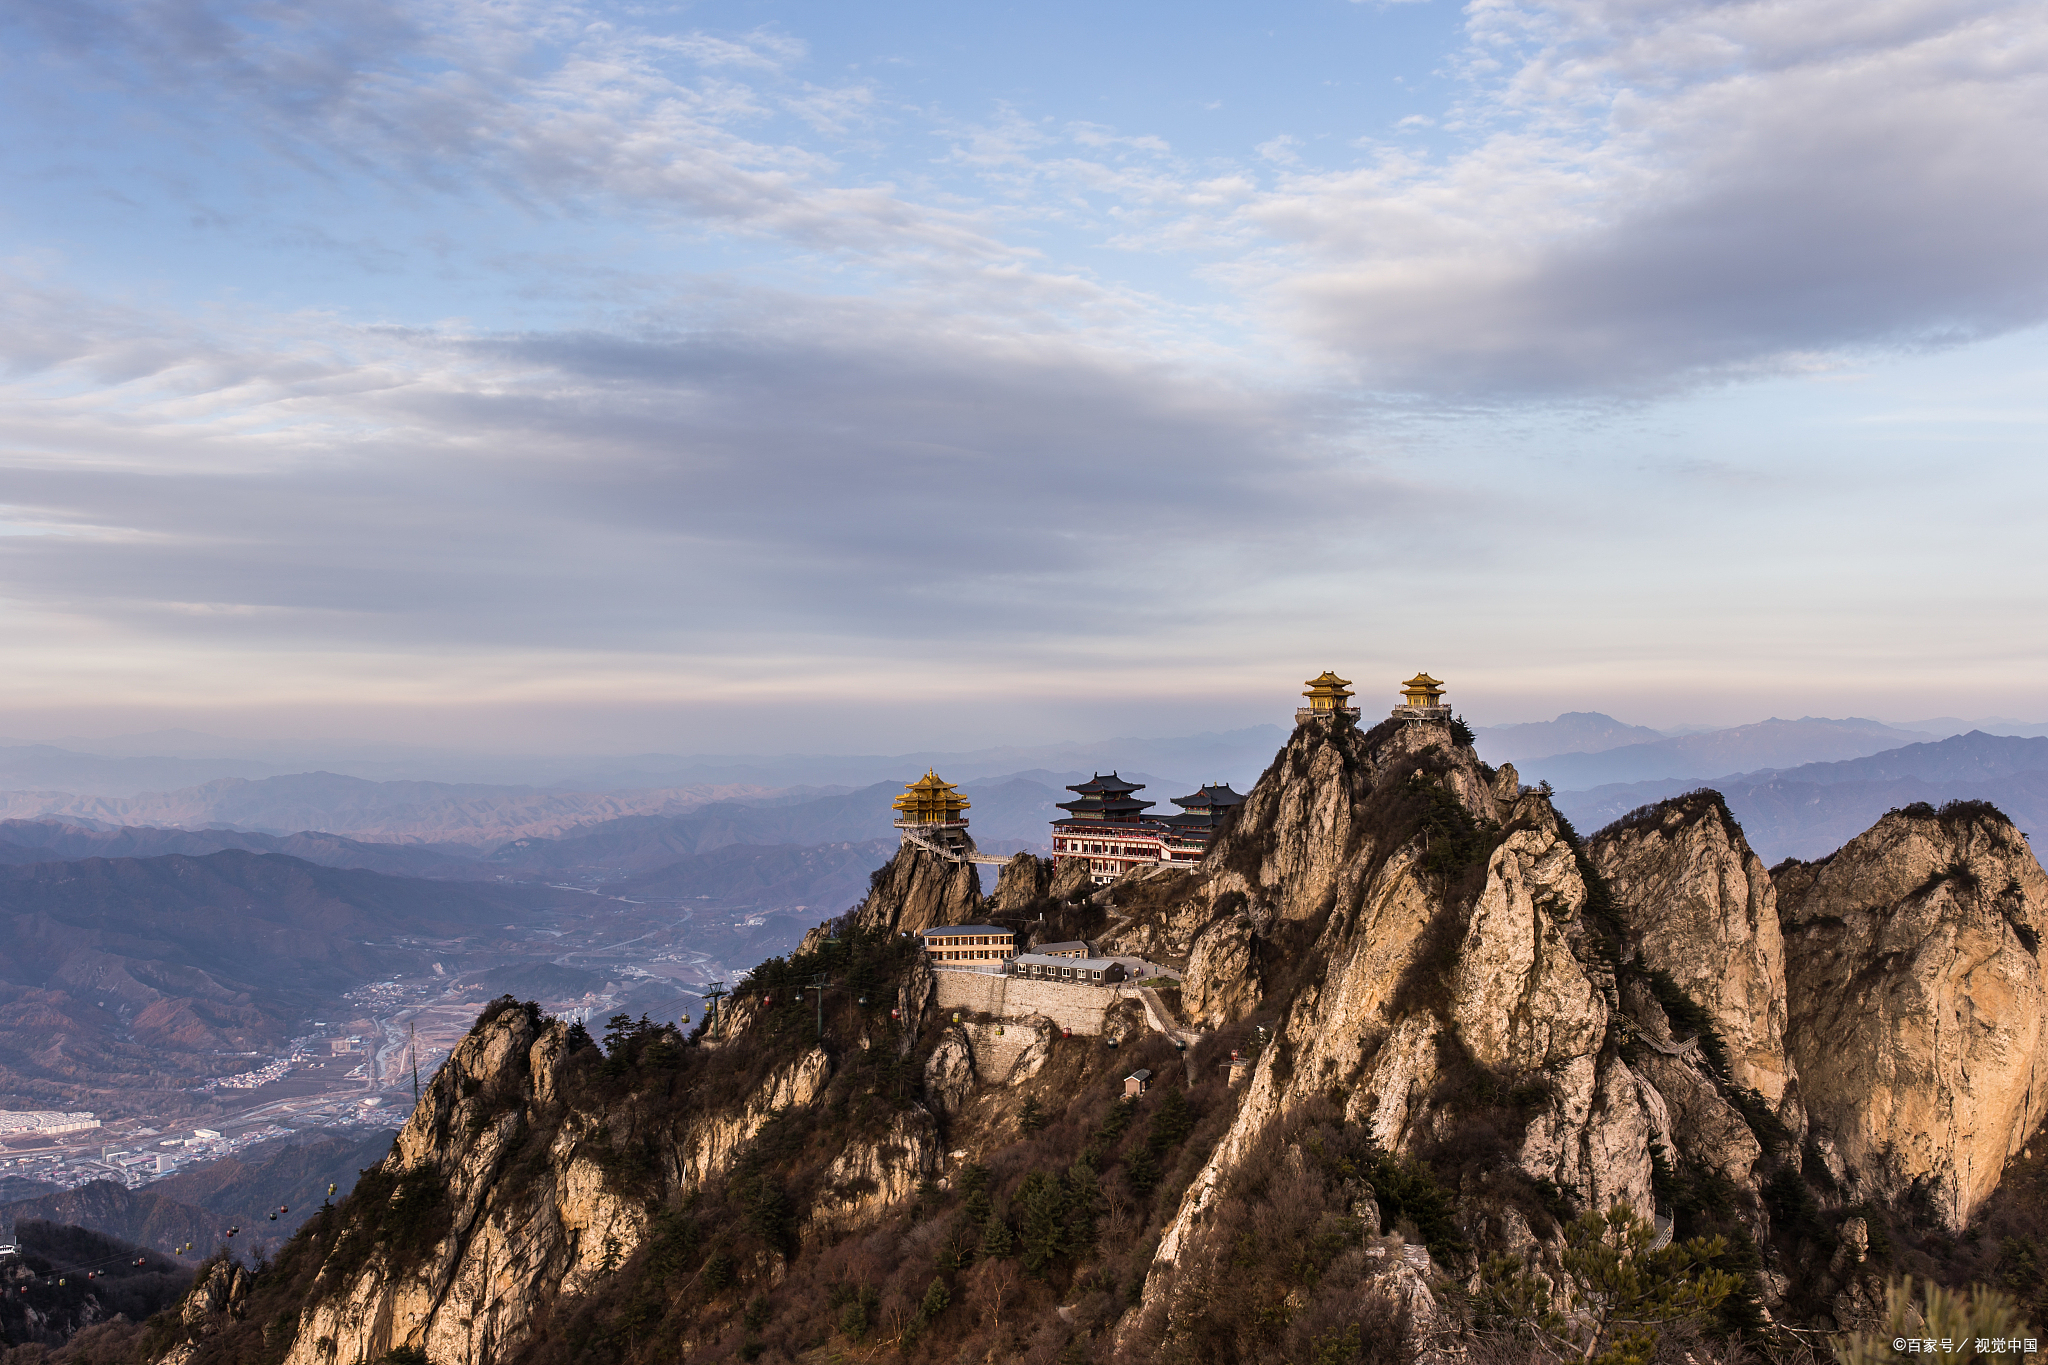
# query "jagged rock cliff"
(1453, 983)
(1702, 909)
(1461, 1027)
(918, 889)
(1918, 1020)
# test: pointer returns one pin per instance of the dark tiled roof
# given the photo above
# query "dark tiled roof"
(1216, 796)
(1112, 785)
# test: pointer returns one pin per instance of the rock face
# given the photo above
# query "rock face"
(1442, 978)
(1699, 905)
(1435, 982)
(512, 1248)
(1024, 879)
(1917, 1010)
(1222, 981)
(917, 889)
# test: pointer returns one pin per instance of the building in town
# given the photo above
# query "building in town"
(970, 944)
(42, 1121)
(1071, 948)
(1108, 828)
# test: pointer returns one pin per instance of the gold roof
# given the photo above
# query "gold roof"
(1422, 690)
(1328, 685)
(930, 798)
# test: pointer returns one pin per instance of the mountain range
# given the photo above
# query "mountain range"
(135, 974)
(1812, 809)
(1770, 743)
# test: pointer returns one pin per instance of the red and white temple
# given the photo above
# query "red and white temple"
(1107, 827)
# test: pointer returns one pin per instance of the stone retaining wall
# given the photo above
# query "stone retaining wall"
(1079, 1008)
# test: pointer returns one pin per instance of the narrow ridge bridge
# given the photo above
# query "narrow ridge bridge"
(964, 852)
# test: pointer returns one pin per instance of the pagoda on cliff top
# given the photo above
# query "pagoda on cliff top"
(1329, 697)
(1422, 698)
(932, 813)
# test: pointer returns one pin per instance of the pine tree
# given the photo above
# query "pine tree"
(996, 1238)
(1042, 1228)
(1141, 1169)
(1172, 1122)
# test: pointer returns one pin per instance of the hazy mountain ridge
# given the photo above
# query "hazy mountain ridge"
(1810, 810)
(387, 812)
(1018, 810)
(50, 840)
(825, 878)
(1583, 732)
(288, 1176)
(1767, 744)
(135, 765)
(134, 974)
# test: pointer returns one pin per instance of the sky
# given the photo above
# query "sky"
(743, 377)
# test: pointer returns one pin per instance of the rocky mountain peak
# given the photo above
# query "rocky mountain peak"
(1703, 911)
(1917, 1013)
(1420, 1027)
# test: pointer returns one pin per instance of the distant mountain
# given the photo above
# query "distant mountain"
(1813, 809)
(37, 767)
(1574, 732)
(290, 1174)
(168, 760)
(1943, 726)
(1017, 810)
(145, 1217)
(132, 973)
(48, 1301)
(42, 841)
(386, 812)
(826, 878)
(1744, 748)
(13, 1187)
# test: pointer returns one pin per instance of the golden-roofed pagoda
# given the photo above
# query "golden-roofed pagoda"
(930, 801)
(1422, 698)
(1329, 696)
(1422, 690)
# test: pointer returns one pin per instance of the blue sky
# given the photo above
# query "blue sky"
(714, 377)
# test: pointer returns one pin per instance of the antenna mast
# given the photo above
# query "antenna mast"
(412, 1045)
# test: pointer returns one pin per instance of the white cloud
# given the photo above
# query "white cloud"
(1663, 193)
(802, 468)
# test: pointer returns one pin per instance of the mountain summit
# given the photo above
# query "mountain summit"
(1397, 1057)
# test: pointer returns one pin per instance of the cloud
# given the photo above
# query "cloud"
(546, 104)
(1659, 195)
(798, 470)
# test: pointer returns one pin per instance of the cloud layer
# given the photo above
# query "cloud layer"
(829, 372)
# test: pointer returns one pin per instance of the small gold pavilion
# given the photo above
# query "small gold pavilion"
(930, 801)
(1422, 690)
(1329, 696)
(1422, 698)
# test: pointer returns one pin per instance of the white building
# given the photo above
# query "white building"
(38, 1121)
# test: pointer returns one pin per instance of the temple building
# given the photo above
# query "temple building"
(1107, 827)
(1422, 699)
(1329, 697)
(930, 812)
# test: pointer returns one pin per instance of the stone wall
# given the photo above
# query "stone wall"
(1079, 1008)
